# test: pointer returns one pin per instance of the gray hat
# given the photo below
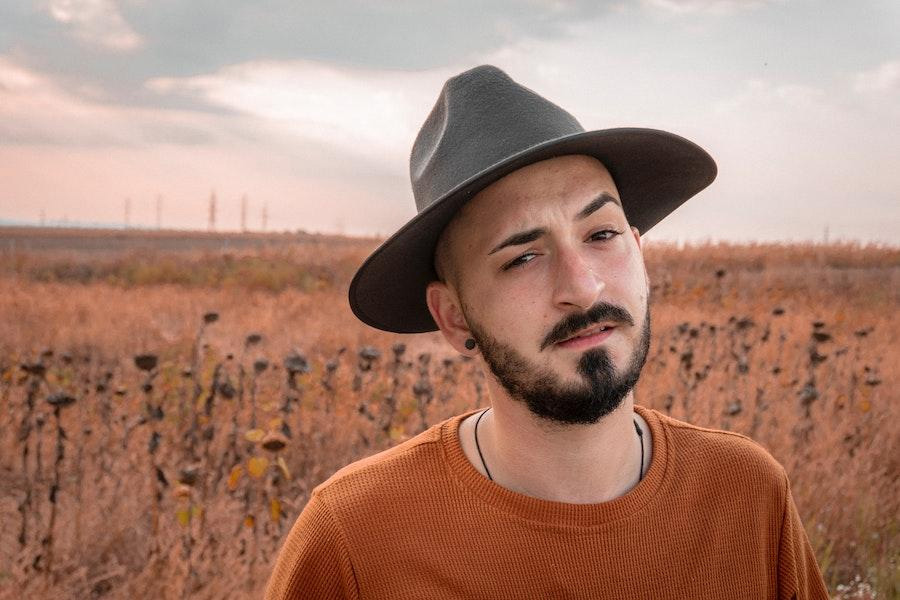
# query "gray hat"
(484, 126)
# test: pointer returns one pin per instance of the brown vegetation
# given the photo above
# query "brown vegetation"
(165, 411)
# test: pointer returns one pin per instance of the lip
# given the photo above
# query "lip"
(579, 342)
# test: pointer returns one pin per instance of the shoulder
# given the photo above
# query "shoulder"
(390, 473)
(723, 456)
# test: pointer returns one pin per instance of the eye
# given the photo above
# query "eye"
(519, 261)
(600, 236)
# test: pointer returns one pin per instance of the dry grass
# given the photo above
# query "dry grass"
(161, 482)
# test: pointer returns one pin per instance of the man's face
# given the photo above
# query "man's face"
(539, 260)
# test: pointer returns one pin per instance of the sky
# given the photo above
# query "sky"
(309, 109)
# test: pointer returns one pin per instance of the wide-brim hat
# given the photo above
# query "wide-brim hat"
(484, 126)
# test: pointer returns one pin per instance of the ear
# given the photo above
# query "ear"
(443, 304)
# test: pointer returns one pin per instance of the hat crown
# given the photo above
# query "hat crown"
(481, 117)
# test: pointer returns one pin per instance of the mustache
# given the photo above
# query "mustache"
(572, 323)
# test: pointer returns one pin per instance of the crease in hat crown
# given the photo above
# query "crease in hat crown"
(472, 119)
(484, 126)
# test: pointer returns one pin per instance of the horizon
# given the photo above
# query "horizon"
(89, 228)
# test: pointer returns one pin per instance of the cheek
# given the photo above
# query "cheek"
(512, 312)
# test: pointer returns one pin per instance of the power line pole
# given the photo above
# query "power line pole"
(127, 213)
(159, 211)
(265, 216)
(244, 213)
(212, 211)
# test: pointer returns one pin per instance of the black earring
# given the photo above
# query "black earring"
(470, 344)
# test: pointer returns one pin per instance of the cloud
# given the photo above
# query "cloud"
(96, 22)
(374, 113)
(35, 110)
(764, 97)
(712, 7)
(882, 79)
(77, 156)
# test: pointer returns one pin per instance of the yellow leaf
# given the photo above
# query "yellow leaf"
(274, 423)
(184, 516)
(284, 468)
(235, 476)
(275, 509)
(196, 511)
(397, 434)
(248, 521)
(255, 435)
(257, 466)
(865, 406)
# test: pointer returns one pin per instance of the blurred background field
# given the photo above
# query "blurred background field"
(169, 399)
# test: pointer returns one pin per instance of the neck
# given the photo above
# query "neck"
(577, 464)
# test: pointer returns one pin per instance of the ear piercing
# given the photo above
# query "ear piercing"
(470, 344)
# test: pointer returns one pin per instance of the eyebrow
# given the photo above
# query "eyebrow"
(525, 237)
(595, 204)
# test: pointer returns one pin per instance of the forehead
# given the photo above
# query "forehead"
(527, 196)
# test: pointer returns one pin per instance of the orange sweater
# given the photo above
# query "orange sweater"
(712, 518)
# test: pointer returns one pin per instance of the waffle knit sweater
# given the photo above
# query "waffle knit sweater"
(712, 518)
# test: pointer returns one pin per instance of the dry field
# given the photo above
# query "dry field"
(168, 400)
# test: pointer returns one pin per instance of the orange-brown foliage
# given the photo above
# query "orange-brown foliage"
(169, 481)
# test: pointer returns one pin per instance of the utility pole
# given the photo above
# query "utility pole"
(212, 211)
(244, 213)
(159, 211)
(265, 216)
(127, 213)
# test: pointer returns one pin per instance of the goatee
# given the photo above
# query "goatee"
(600, 390)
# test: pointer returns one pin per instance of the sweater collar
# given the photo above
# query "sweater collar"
(551, 512)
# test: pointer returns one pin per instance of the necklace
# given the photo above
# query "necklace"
(637, 428)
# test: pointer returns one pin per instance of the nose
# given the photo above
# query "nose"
(576, 284)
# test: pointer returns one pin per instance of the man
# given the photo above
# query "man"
(526, 254)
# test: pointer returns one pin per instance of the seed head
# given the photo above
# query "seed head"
(182, 492)
(744, 323)
(296, 363)
(369, 353)
(188, 475)
(60, 399)
(227, 390)
(145, 362)
(274, 442)
(38, 369)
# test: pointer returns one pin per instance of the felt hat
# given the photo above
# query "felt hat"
(484, 126)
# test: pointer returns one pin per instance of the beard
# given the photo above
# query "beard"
(599, 389)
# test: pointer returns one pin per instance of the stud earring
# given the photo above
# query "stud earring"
(470, 344)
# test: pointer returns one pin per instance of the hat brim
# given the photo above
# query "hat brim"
(655, 172)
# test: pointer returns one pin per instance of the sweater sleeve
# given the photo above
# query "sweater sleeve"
(799, 577)
(313, 561)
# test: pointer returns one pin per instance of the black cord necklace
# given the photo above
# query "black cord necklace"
(637, 428)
